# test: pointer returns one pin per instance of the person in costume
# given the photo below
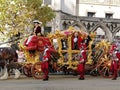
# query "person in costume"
(118, 53)
(37, 28)
(82, 60)
(118, 56)
(45, 63)
(81, 67)
(76, 41)
(36, 31)
(21, 55)
(64, 44)
(114, 66)
(113, 48)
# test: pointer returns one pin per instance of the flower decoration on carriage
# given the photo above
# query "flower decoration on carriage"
(69, 31)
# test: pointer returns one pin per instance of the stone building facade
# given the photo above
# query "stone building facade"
(101, 16)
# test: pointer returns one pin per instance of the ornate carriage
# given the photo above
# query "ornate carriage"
(69, 57)
(97, 57)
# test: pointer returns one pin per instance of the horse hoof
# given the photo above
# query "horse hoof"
(17, 74)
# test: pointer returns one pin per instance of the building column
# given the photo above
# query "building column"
(77, 7)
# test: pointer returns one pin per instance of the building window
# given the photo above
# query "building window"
(91, 14)
(47, 30)
(109, 15)
(48, 2)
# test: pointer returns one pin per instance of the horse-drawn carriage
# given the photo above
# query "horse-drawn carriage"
(64, 57)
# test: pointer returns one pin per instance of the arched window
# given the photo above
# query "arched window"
(100, 34)
(117, 37)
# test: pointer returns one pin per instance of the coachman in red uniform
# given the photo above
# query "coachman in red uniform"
(114, 66)
(45, 63)
(112, 48)
(118, 54)
(81, 68)
(81, 65)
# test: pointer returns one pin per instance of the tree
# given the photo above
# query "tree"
(16, 16)
(40, 12)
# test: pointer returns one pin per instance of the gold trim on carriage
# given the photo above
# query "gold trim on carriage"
(69, 56)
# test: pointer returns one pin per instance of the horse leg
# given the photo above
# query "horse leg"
(5, 75)
(15, 67)
(17, 73)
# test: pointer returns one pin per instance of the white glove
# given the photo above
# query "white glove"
(82, 51)
(116, 59)
(82, 61)
(45, 60)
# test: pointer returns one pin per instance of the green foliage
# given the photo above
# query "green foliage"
(45, 14)
(16, 16)
(34, 4)
(40, 12)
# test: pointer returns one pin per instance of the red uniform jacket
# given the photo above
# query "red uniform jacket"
(114, 64)
(46, 54)
(84, 54)
(81, 67)
(118, 55)
(113, 47)
(83, 46)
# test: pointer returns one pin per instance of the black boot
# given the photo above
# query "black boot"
(46, 79)
(114, 78)
(81, 78)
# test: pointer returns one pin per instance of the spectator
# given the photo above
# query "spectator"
(21, 56)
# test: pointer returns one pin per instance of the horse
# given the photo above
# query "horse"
(8, 60)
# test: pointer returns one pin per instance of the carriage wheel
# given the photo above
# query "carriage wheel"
(104, 69)
(37, 71)
(27, 70)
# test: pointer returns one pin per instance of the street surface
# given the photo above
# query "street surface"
(61, 82)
